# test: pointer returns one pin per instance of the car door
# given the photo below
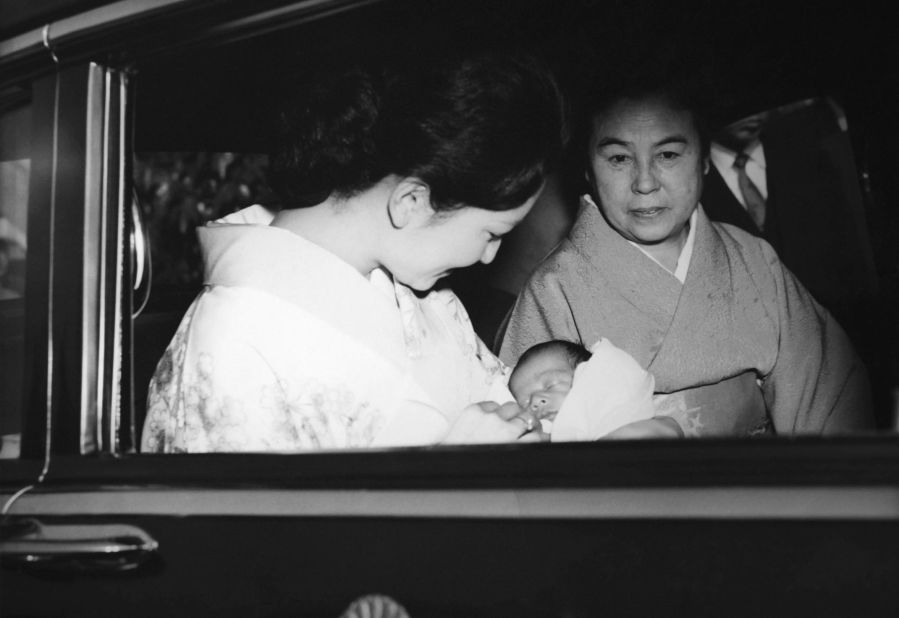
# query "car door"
(92, 527)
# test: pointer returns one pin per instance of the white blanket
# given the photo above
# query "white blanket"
(609, 390)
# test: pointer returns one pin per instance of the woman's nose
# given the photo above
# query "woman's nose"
(645, 181)
(490, 251)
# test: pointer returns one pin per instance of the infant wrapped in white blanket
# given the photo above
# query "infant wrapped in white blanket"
(582, 395)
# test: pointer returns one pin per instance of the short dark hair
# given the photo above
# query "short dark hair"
(482, 130)
(575, 352)
(677, 95)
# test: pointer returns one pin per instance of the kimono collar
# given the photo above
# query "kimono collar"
(630, 269)
(243, 250)
(683, 260)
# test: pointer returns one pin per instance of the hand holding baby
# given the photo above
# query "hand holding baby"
(489, 422)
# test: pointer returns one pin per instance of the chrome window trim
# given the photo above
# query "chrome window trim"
(805, 503)
(54, 177)
(282, 17)
(61, 30)
(101, 410)
(119, 81)
(94, 253)
(102, 273)
(109, 16)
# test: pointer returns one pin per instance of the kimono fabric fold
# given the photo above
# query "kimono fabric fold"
(289, 348)
(736, 347)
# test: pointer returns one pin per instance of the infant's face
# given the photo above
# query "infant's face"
(541, 383)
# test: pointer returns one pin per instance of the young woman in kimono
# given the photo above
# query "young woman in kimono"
(317, 327)
(731, 337)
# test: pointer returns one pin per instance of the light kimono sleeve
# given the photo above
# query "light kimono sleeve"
(489, 376)
(225, 384)
(818, 384)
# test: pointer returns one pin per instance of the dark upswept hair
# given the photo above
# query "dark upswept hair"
(575, 352)
(482, 130)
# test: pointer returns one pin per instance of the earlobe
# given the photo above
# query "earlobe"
(410, 199)
(705, 166)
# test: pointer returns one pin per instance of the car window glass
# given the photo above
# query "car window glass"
(198, 137)
(15, 167)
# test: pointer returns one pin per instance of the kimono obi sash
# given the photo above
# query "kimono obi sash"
(732, 407)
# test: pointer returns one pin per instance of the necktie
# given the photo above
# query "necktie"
(752, 197)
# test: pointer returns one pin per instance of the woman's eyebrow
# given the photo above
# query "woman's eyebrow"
(674, 139)
(616, 141)
(611, 141)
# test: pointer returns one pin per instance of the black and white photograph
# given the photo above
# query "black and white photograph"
(449, 308)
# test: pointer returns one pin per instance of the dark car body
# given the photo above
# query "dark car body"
(91, 527)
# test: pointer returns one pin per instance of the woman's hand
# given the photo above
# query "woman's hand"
(511, 411)
(489, 422)
(658, 427)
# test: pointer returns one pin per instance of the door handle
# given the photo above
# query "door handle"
(33, 545)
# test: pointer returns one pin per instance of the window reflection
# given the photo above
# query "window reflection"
(180, 191)
(15, 169)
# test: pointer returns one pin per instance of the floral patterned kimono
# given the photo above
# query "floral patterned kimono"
(289, 348)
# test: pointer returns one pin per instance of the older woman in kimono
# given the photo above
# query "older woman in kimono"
(736, 345)
(318, 327)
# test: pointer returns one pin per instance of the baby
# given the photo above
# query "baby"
(581, 394)
(544, 374)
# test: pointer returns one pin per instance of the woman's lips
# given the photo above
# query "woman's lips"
(647, 213)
